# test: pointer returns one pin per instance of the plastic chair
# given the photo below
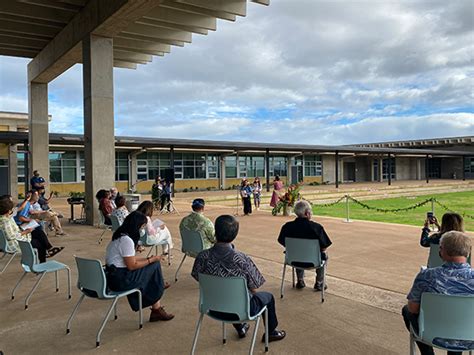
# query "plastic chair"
(147, 242)
(30, 264)
(434, 260)
(115, 223)
(102, 225)
(228, 295)
(299, 253)
(445, 317)
(191, 245)
(93, 283)
(4, 249)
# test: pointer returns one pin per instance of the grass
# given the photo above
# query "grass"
(460, 202)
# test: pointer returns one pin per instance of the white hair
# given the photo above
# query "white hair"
(301, 207)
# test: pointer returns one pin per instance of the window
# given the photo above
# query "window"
(190, 165)
(231, 166)
(151, 164)
(212, 167)
(121, 166)
(62, 166)
(82, 167)
(251, 166)
(313, 165)
(385, 169)
(278, 166)
(469, 165)
(21, 166)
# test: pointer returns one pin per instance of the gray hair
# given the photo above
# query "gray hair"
(456, 243)
(301, 207)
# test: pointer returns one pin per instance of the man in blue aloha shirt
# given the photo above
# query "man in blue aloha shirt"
(454, 277)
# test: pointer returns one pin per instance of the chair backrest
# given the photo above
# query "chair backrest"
(3, 242)
(101, 219)
(191, 241)
(224, 294)
(302, 251)
(446, 316)
(28, 258)
(434, 260)
(91, 276)
(115, 222)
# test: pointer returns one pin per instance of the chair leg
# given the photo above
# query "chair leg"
(293, 276)
(33, 290)
(8, 262)
(224, 335)
(74, 311)
(179, 267)
(102, 326)
(412, 345)
(149, 252)
(115, 312)
(282, 280)
(266, 330)
(196, 334)
(140, 312)
(57, 281)
(254, 336)
(18, 284)
(169, 254)
(68, 283)
(324, 283)
(101, 236)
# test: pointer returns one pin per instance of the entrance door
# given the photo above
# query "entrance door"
(349, 171)
(4, 177)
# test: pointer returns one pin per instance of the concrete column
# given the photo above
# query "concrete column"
(172, 167)
(99, 140)
(132, 170)
(389, 169)
(337, 170)
(13, 171)
(38, 130)
(288, 170)
(267, 169)
(418, 169)
(381, 170)
(222, 172)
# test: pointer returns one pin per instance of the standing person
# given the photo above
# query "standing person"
(450, 222)
(125, 271)
(257, 192)
(37, 182)
(246, 192)
(165, 195)
(156, 230)
(156, 189)
(277, 191)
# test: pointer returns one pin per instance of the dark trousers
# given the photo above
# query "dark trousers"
(412, 319)
(257, 302)
(165, 198)
(39, 240)
(319, 272)
(247, 205)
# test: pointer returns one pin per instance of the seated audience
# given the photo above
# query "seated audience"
(450, 222)
(224, 261)
(113, 195)
(197, 222)
(125, 271)
(38, 213)
(13, 233)
(454, 277)
(121, 212)
(44, 202)
(156, 230)
(105, 206)
(303, 227)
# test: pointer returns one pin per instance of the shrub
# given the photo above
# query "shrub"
(185, 190)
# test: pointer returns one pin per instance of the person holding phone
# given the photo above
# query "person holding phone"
(450, 222)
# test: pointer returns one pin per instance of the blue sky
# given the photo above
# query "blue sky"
(316, 72)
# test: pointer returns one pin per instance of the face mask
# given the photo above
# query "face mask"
(142, 232)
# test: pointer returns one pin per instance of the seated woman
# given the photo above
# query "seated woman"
(450, 222)
(13, 233)
(125, 271)
(156, 230)
(121, 212)
(105, 206)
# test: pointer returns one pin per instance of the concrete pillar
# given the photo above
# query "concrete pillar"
(337, 170)
(38, 130)
(389, 169)
(132, 170)
(267, 169)
(381, 170)
(99, 141)
(288, 170)
(172, 167)
(222, 172)
(418, 169)
(13, 171)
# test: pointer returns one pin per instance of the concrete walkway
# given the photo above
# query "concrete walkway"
(371, 268)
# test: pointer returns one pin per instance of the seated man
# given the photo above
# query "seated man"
(303, 227)
(454, 277)
(196, 221)
(224, 261)
(38, 213)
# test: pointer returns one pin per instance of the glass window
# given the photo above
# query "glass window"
(313, 165)
(385, 169)
(278, 166)
(212, 167)
(251, 166)
(21, 166)
(63, 166)
(231, 167)
(121, 166)
(152, 164)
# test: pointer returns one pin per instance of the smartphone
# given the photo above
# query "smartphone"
(429, 216)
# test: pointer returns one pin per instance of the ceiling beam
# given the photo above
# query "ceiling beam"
(235, 7)
(132, 57)
(173, 26)
(53, 4)
(141, 45)
(125, 65)
(35, 12)
(22, 42)
(182, 18)
(159, 32)
(14, 52)
(33, 29)
(197, 10)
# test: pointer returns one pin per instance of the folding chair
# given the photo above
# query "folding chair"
(30, 264)
(444, 317)
(102, 225)
(4, 249)
(434, 260)
(147, 242)
(304, 254)
(227, 295)
(93, 283)
(191, 245)
(115, 223)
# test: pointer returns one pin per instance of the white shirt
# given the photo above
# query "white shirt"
(118, 249)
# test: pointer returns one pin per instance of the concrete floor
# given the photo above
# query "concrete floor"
(371, 268)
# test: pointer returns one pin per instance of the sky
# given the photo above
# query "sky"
(297, 71)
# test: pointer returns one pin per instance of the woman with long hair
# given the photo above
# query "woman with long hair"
(257, 192)
(450, 222)
(125, 271)
(156, 230)
(105, 205)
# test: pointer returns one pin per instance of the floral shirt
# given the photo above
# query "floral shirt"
(12, 232)
(198, 222)
(121, 213)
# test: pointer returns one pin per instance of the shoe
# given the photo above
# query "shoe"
(61, 234)
(53, 251)
(243, 331)
(275, 336)
(167, 285)
(160, 314)
(300, 284)
(318, 287)
(60, 215)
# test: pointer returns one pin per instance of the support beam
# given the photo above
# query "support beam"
(182, 18)
(172, 167)
(173, 26)
(389, 169)
(99, 140)
(160, 33)
(35, 12)
(235, 7)
(13, 171)
(267, 168)
(337, 169)
(197, 10)
(427, 169)
(38, 130)
(464, 168)
(124, 65)
(222, 172)
(140, 46)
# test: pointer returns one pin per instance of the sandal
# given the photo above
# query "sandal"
(53, 251)
(275, 336)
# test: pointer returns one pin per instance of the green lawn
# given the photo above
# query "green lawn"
(460, 202)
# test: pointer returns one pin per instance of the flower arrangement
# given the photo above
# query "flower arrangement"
(289, 199)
